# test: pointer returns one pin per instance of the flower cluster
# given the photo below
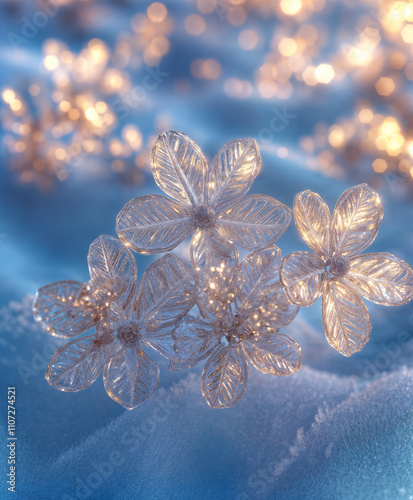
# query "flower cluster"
(219, 309)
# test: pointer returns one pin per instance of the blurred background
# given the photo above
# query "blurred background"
(325, 87)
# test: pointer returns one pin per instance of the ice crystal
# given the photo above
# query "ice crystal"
(205, 200)
(165, 293)
(228, 313)
(240, 323)
(337, 271)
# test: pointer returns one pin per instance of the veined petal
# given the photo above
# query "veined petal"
(381, 278)
(161, 339)
(313, 220)
(256, 277)
(303, 275)
(131, 377)
(75, 365)
(345, 318)
(165, 293)
(275, 311)
(194, 340)
(254, 221)
(232, 172)
(225, 377)
(60, 310)
(356, 220)
(273, 353)
(153, 224)
(179, 167)
(112, 269)
(214, 261)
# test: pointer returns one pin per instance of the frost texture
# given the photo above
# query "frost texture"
(337, 271)
(226, 313)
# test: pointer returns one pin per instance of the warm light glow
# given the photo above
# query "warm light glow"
(324, 73)
(157, 12)
(379, 165)
(194, 24)
(385, 86)
(51, 62)
(291, 7)
(287, 47)
(248, 39)
(365, 115)
(8, 95)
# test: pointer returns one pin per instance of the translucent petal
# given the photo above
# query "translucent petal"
(257, 276)
(59, 308)
(194, 340)
(75, 365)
(275, 311)
(254, 221)
(232, 172)
(381, 278)
(152, 224)
(166, 292)
(313, 221)
(161, 338)
(303, 275)
(131, 377)
(179, 167)
(214, 260)
(112, 269)
(225, 377)
(273, 353)
(345, 318)
(356, 220)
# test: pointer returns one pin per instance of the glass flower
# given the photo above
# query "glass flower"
(337, 271)
(240, 320)
(68, 308)
(208, 200)
(166, 293)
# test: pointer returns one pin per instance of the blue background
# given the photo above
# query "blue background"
(339, 429)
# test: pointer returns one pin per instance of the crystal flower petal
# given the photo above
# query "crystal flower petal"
(112, 269)
(214, 261)
(356, 220)
(225, 377)
(254, 221)
(179, 168)
(165, 293)
(152, 224)
(381, 278)
(303, 275)
(275, 354)
(62, 309)
(345, 318)
(131, 377)
(194, 340)
(232, 172)
(76, 365)
(313, 220)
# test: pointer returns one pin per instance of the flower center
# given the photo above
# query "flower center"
(128, 335)
(204, 216)
(231, 333)
(337, 267)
